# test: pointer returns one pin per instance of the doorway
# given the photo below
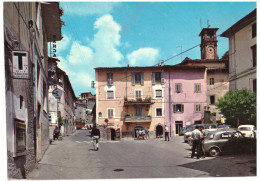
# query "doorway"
(113, 134)
(136, 129)
(178, 126)
(159, 131)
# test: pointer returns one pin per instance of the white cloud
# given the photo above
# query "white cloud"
(64, 43)
(143, 56)
(102, 51)
(80, 54)
(89, 8)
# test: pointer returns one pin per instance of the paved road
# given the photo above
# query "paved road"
(74, 158)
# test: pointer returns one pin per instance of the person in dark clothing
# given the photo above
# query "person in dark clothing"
(95, 135)
(56, 133)
(203, 136)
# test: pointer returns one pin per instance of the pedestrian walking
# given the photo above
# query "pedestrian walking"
(95, 134)
(203, 136)
(196, 135)
(56, 133)
(147, 133)
(166, 131)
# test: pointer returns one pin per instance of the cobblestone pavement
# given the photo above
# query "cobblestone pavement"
(74, 158)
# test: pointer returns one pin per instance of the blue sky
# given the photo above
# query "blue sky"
(108, 34)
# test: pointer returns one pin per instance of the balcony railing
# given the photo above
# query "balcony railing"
(138, 101)
(137, 118)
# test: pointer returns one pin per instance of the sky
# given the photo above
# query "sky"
(118, 34)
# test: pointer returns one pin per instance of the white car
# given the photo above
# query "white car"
(247, 130)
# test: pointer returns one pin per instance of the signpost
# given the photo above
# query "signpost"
(57, 93)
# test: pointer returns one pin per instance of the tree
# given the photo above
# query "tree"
(225, 55)
(238, 107)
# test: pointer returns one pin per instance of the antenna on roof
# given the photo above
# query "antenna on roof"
(208, 23)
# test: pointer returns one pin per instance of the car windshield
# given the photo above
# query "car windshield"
(245, 129)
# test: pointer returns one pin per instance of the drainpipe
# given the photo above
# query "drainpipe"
(169, 103)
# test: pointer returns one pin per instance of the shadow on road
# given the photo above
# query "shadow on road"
(224, 166)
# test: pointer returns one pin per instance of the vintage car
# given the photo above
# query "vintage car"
(228, 141)
(247, 130)
(207, 127)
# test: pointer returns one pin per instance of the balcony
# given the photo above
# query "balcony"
(139, 101)
(132, 119)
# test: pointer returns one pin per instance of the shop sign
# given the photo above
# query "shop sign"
(20, 64)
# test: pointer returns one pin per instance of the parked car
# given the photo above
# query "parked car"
(207, 127)
(184, 130)
(224, 126)
(228, 141)
(247, 130)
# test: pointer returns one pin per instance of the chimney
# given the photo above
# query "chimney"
(162, 62)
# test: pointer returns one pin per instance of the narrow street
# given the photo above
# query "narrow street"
(74, 158)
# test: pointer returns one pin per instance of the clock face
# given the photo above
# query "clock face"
(210, 50)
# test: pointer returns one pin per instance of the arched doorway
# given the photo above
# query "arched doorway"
(113, 134)
(136, 129)
(159, 131)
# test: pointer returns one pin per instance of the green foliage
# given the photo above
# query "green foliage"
(239, 104)
(61, 121)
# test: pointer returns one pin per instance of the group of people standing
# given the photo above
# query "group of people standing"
(198, 135)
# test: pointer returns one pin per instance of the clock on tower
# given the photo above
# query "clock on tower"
(208, 44)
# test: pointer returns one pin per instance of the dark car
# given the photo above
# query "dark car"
(228, 141)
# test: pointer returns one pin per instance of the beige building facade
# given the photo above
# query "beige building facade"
(242, 53)
(129, 99)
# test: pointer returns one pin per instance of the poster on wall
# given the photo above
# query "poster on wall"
(20, 64)
(53, 118)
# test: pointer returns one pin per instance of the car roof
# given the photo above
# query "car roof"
(246, 125)
(223, 130)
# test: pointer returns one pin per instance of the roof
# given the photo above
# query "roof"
(246, 20)
(188, 60)
(208, 29)
(59, 71)
(51, 18)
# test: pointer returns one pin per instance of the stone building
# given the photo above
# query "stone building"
(242, 53)
(28, 27)
(85, 109)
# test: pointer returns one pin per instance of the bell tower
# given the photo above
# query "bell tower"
(208, 46)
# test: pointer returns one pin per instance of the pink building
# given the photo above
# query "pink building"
(185, 96)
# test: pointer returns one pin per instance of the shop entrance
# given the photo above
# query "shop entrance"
(136, 129)
(113, 134)
(178, 126)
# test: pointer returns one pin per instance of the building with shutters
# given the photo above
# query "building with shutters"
(129, 99)
(242, 53)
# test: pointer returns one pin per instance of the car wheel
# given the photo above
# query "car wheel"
(214, 152)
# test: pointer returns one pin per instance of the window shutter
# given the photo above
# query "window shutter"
(153, 78)
(182, 108)
(111, 78)
(162, 78)
(107, 78)
(142, 78)
(133, 78)
(174, 108)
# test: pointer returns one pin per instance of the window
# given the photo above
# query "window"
(197, 108)
(20, 138)
(110, 113)
(178, 108)
(157, 78)
(253, 48)
(110, 94)
(138, 111)
(253, 30)
(197, 88)
(138, 94)
(212, 99)
(225, 135)
(21, 102)
(109, 78)
(138, 78)
(158, 111)
(100, 114)
(211, 81)
(178, 88)
(158, 93)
